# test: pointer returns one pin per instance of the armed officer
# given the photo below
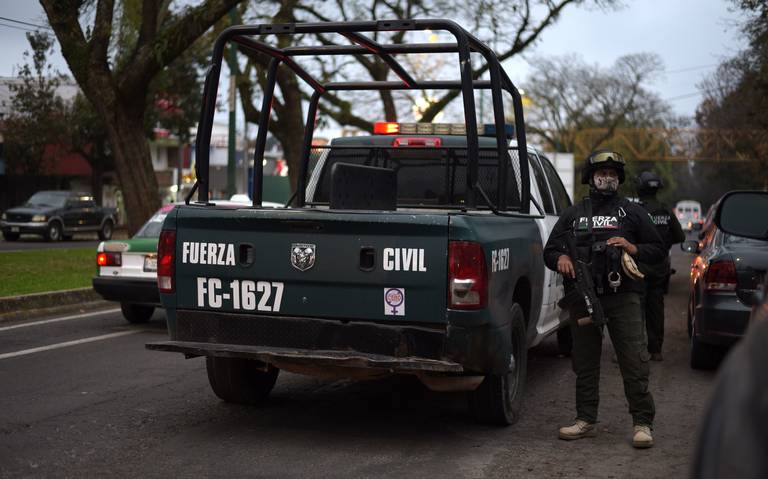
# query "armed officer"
(657, 275)
(596, 241)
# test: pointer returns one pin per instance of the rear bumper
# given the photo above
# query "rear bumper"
(139, 291)
(317, 341)
(721, 319)
(318, 358)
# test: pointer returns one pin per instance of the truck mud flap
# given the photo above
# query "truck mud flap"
(278, 356)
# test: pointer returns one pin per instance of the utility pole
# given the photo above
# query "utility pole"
(231, 167)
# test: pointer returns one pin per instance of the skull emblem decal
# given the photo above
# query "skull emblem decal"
(302, 256)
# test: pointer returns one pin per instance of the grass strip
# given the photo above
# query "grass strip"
(39, 271)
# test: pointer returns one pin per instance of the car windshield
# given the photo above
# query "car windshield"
(47, 198)
(152, 228)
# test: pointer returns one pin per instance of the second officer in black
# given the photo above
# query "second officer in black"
(598, 230)
(657, 275)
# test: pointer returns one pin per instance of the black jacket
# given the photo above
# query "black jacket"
(666, 223)
(610, 217)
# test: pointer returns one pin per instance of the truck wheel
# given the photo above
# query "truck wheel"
(240, 381)
(53, 232)
(565, 340)
(499, 398)
(105, 232)
(10, 236)
(137, 313)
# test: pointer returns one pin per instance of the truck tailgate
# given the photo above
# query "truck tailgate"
(299, 263)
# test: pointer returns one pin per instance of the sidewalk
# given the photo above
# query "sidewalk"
(14, 308)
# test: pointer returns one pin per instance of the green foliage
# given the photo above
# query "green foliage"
(736, 99)
(41, 120)
(26, 272)
(37, 116)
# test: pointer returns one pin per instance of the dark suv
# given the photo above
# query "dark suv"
(57, 215)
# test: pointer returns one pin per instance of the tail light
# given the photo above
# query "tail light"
(468, 276)
(720, 276)
(418, 142)
(166, 254)
(109, 259)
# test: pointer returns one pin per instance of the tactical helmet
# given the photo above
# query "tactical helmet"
(648, 182)
(602, 159)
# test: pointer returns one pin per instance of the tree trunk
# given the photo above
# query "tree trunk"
(292, 141)
(97, 178)
(134, 166)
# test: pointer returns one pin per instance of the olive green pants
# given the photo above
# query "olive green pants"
(627, 332)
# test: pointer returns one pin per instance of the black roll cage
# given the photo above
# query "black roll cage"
(465, 43)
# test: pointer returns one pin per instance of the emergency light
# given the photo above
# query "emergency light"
(395, 128)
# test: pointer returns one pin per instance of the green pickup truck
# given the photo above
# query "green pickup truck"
(410, 251)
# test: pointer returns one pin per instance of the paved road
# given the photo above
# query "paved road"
(110, 408)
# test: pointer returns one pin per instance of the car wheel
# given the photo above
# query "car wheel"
(137, 313)
(565, 340)
(690, 315)
(105, 232)
(240, 381)
(704, 356)
(499, 397)
(10, 236)
(53, 232)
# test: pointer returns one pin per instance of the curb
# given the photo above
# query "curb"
(24, 306)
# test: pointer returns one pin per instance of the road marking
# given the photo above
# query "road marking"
(24, 352)
(56, 320)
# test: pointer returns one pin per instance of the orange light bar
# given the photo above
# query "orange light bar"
(386, 128)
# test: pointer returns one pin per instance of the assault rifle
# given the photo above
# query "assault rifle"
(585, 288)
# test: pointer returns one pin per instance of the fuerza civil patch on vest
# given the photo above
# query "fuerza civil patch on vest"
(598, 223)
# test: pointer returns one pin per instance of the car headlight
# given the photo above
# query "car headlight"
(4, 217)
(38, 218)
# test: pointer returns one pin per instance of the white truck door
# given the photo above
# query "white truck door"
(549, 318)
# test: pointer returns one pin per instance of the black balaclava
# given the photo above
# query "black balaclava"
(603, 186)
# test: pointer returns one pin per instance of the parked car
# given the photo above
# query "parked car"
(689, 214)
(725, 275)
(731, 441)
(57, 215)
(127, 269)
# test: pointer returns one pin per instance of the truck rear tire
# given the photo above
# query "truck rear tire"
(137, 313)
(240, 381)
(499, 398)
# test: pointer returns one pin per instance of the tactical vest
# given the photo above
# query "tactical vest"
(591, 232)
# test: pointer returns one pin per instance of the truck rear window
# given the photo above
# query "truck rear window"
(426, 177)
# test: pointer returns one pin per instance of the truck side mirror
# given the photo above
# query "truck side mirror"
(690, 246)
(744, 213)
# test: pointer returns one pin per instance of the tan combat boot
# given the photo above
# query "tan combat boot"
(642, 438)
(578, 430)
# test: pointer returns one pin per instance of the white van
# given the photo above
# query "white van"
(689, 214)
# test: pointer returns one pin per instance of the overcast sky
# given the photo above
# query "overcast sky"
(691, 37)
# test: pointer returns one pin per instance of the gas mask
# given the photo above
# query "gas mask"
(606, 185)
